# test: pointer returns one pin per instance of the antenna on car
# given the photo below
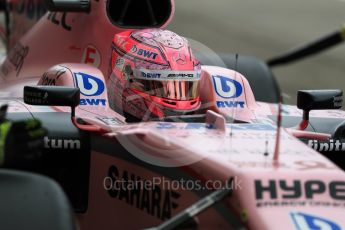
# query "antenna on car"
(235, 69)
(233, 111)
(266, 153)
(279, 124)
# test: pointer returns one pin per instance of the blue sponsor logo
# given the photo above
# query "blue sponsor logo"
(162, 125)
(89, 85)
(230, 104)
(93, 102)
(253, 127)
(144, 53)
(227, 88)
(304, 221)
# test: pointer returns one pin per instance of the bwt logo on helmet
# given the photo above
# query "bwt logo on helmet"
(144, 53)
(151, 75)
(89, 85)
(229, 89)
(305, 221)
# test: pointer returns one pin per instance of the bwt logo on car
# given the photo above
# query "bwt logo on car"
(90, 86)
(305, 221)
(228, 89)
(144, 53)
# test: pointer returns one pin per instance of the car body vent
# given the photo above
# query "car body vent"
(139, 13)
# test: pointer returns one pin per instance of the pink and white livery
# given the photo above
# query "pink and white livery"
(201, 126)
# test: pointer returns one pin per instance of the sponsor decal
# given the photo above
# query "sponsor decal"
(91, 56)
(151, 75)
(132, 189)
(33, 10)
(89, 85)
(305, 221)
(35, 97)
(181, 76)
(144, 53)
(230, 104)
(327, 146)
(110, 120)
(120, 62)
(60, 20)
(254, 127)
(311, 188)
(121, 42)
(93, 102)
(166, 75)
(50, 78)
(16, 57)
(179, 58)
(338, 101)
(127, 72)
(164, 125)
(275, 193)
(70, 144)
(228, 89)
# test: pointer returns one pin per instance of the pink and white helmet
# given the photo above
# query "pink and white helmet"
(155, 72)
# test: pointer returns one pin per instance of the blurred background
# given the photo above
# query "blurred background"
(266, 28)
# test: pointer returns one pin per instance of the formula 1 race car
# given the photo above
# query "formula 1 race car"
(234, 158)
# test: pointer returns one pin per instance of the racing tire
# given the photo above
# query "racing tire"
(32, 201)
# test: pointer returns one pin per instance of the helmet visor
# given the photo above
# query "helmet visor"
(175, 85)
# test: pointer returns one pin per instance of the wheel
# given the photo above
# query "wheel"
(32, 201)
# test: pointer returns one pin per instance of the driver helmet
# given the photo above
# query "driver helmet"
(154, 74)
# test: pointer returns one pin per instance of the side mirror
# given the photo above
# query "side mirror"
(57, 96)
(308, 100)
(319, 99)
(52, 96)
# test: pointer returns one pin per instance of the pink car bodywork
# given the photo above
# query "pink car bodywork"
(302, 186)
